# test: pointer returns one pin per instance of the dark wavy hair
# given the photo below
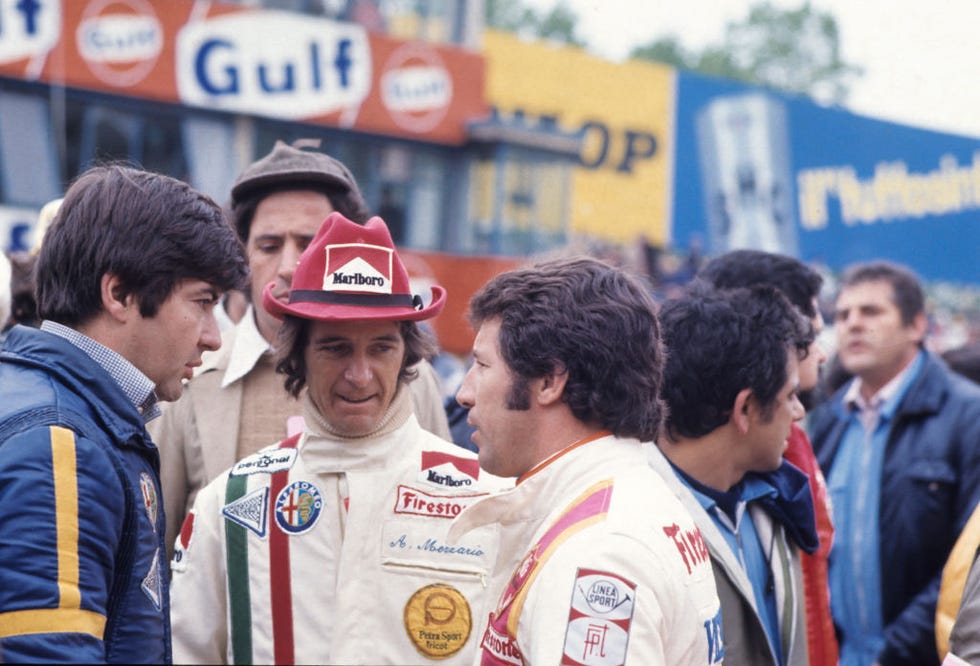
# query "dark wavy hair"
(149, 230)
(720, 342)
(747, 268)
(594, 321)
(294, 335)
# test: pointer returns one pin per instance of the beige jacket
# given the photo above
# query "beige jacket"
(206, 412)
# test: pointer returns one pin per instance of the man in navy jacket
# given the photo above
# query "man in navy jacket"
(900, 446)
(127, 279)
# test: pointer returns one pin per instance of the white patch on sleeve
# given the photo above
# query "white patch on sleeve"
(599, 619)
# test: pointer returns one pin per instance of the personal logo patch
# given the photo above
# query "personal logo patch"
(250, 511)
(358, 267)
(445, 469)
(150, 502)
(298, 506)
(438, 621)
(420, 503)
(274, 460)
(599, 619)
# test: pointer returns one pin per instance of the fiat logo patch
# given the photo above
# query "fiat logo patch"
(298, 506)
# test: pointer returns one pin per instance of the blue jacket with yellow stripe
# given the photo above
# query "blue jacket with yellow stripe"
(82, 571)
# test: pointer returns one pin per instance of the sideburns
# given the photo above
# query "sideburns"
(519, 397)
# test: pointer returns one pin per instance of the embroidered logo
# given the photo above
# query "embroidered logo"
(298, 506)
(358, 267)
(249, 510)
(417, 502)
(448, 470)
(599, 619)
(152, 585)
(437, 620)
(274, 460)
(149, 491)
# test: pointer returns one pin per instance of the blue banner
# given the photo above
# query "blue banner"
(756, 168)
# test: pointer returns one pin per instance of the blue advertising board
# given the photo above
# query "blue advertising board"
(756, 168)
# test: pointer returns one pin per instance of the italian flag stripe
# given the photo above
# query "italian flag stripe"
(280, 583)
(236, 549)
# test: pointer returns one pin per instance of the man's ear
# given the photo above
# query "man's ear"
(741, 411)
(919, 327)
(118, 306)
(551, 387)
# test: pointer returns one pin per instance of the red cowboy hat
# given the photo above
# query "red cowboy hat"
(350, 271)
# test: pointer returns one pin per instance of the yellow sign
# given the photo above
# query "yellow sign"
(621, 191)
(438, 621)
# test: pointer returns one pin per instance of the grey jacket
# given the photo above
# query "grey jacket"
(746, 643)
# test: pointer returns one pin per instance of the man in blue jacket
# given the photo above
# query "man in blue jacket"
(900, 447)
(126, 282)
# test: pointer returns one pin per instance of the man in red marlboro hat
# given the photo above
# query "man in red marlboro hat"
(236, 404)
(329, 547)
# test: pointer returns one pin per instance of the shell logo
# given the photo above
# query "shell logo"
(416, 87)
(120, 40)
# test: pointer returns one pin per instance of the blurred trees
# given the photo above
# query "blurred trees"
(793, 50)
(558, 24)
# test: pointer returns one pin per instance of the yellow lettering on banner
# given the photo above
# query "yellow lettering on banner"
(890, 195)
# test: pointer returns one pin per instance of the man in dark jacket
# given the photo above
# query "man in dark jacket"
(127, 279)
(900, 446)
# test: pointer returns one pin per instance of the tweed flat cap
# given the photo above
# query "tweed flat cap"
(293, 164)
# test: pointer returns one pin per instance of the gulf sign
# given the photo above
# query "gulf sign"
(120, 40)
(228, 57)
(28, 30)
(274, 64)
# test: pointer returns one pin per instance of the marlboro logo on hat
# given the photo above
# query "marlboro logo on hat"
(358, 266)
(352, 272)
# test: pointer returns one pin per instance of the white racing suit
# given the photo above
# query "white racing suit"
(317, 550)
(614, 569)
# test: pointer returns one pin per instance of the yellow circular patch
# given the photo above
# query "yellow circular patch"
(438, 621)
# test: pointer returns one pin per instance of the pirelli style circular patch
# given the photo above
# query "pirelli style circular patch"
(438, 621)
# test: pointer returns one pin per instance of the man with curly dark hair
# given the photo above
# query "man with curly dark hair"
(598, 562)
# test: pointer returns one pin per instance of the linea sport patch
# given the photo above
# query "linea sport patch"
(599, 620)
(274, 460)
(249, 511)
(298, 506)
(437, 620)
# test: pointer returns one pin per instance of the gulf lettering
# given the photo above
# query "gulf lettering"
(29, 10)
(218, 69)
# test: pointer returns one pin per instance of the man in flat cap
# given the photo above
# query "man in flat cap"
(236, 404)
(330, 546)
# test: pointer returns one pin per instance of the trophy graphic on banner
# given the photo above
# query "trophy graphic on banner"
(743, 144)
